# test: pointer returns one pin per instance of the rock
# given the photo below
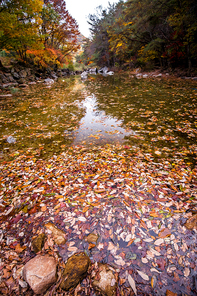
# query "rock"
(110, 73)
(9, 84)
(11, 140)
(191, 222)
(54, 76)
(3, 78)
(58, 235)
(84, 75)
(93, 71)
(75, 271)
(103, 70)
(11, 79)
(38, 243)
(28, 70)
(105, 280)
(145, 76)
(59, 73)
(23, 74)
(92, 238)
(15, 75)
(23, 85)
(40, 273)
(49, 81)
(5, 95)
(21, 81)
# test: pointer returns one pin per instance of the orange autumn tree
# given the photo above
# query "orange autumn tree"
(39, 31)
(59, 33)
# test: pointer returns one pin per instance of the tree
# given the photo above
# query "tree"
(19, 23)
(59, 28)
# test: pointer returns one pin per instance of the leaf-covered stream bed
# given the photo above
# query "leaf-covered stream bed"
(136, 196)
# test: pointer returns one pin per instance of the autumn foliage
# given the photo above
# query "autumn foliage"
(39, 32)
(144, 33)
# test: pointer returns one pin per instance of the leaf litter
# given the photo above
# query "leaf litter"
(136, 205)
(139, 222)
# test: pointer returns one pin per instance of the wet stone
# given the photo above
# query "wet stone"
(40, 273)
(57, 234)
(75, 271)
(38, 243)
(191, 222)
(106, 280)
(92, 238)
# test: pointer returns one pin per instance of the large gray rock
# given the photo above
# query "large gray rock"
(40, 273)
(75, 271)
(106, 280)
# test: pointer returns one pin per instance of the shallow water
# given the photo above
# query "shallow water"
(156, 116)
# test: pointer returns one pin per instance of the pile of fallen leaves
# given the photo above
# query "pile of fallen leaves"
(136, 206)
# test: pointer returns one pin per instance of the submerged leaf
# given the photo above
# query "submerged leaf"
(132, 284)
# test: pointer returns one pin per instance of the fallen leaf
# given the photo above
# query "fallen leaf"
(132, 284)
(164, 233)
(186, 272)
(143, 275)
(19, 249)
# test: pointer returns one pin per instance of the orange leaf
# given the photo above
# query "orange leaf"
(19, 249)
(130, 242)
(91, 246)
(43, 209)
(85, 209)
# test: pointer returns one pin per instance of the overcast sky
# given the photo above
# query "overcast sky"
(80, 9)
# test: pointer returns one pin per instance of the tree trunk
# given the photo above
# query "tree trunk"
(189, 60)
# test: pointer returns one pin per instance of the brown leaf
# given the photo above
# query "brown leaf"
(170, 293)
(19, 249)
(164, 233)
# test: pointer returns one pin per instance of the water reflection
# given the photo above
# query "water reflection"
(97, 127)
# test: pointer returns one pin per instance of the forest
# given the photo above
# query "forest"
(147, 33)
(38, 32)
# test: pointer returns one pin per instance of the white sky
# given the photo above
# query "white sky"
(80, 9)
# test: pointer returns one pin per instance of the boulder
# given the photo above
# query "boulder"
(38, 243)
(191, 222)
(106, 280)
(103, 70)
(40, 273)
(75, 271)
(57, 234)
